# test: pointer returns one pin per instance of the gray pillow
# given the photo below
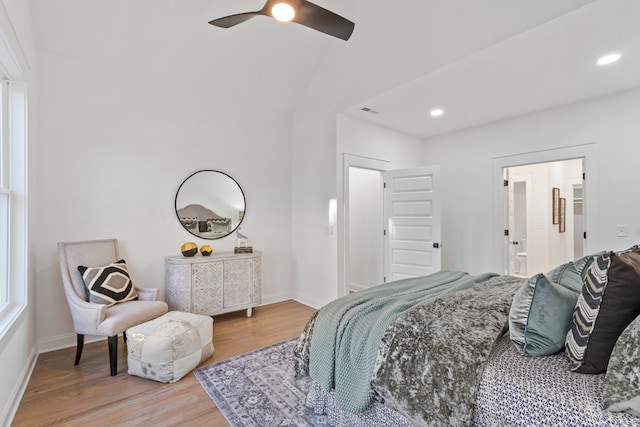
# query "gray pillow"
(540, 316)
(622, 382)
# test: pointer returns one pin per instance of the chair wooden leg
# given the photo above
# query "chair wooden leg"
(113, 354)
(79, 346)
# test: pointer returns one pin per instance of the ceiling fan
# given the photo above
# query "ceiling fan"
(302, 12)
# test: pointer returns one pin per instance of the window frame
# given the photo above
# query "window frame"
(14, 184)
(5, 197)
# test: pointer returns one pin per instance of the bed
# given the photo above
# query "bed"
(483, 350)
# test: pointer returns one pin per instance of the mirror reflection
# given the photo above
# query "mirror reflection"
(210, 204)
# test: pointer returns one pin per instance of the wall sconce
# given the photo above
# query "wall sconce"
(333, 215)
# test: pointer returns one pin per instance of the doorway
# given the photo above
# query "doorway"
(365, 203)
(386, 234)
(353, 253)
(541, 231)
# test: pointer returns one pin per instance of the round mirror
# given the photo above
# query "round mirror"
(210, 204)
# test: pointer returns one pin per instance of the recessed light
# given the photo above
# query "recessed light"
(609, 59)
(436, 112)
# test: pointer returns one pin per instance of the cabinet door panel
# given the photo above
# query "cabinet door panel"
(237, 282)
(256, 271)
(179, 287)
(207, 287)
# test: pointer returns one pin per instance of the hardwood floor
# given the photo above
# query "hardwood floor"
(61, 394)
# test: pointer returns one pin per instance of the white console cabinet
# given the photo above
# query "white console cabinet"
(214, 284)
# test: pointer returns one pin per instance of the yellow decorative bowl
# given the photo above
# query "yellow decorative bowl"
(189, 249)
(206, 250)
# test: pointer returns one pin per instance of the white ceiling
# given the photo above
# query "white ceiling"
(547, 66)
(540, 54)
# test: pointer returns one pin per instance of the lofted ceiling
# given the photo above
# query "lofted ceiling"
(479, 61)
(171, 40)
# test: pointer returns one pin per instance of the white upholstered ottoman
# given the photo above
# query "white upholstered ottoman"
(167, 348)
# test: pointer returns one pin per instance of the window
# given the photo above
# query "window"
(4, 245)
(13, 204)
(13, 183)
(5, 199)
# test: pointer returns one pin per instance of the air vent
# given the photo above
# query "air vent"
(369, 110)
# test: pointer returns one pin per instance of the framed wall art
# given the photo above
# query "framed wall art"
(562, 218)
(555, 205)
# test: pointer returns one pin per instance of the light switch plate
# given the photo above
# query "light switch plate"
(621, 231)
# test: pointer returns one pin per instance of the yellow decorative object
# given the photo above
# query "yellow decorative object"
(206, 250)
(189, 249)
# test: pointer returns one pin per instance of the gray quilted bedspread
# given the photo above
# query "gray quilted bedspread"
(431, 359)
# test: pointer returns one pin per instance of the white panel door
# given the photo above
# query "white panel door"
(413, 222)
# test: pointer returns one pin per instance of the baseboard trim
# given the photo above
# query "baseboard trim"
(64, 341)
(69, 340)
(274, 298)
(308, 302)
(356, 287)
(9, 411)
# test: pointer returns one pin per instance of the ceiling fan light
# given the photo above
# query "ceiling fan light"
(283, 12)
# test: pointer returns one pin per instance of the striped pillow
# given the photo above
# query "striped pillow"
(609, 302)
(109, 284)
(587, 309)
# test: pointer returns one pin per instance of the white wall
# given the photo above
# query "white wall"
(365, 139)
(115, 146)
(467, 177)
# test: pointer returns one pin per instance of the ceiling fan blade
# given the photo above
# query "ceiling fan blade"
(313, 16)
(231, 20)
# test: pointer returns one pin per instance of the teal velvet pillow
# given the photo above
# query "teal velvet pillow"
(540, 316)
(567, 275)
(571, 274)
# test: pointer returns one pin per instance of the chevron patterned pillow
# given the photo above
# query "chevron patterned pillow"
(109, 284)
(587, 309)
(609, 302)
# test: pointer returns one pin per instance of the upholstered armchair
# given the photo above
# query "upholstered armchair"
(109, 319)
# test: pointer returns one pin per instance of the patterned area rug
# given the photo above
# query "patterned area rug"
(258, 389)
